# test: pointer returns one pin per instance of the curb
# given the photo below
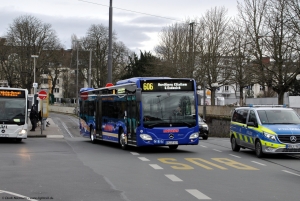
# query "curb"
(36, 136)
(46, 136)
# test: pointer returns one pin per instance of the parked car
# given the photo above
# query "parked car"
(203, 128)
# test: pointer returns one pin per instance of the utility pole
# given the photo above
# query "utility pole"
(77, 90)
(204, 100)
(191, 50)
(90, 69)
(34, 83)
(109, 70)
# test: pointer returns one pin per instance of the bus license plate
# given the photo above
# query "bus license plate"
(293, 146)
(171, 142)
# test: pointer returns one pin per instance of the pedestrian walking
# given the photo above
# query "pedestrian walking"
(33, 118)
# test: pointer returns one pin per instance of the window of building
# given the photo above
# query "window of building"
(44, 81)
(56, 90)
(226, 88)
(261, 88)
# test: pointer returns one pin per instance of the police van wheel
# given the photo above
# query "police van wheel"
(122, 140)
(92, 137)
(234, 145)
(258, 149)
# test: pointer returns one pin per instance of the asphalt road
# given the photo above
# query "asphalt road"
(75, 169)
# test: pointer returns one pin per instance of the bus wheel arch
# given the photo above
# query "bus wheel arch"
(122, 139)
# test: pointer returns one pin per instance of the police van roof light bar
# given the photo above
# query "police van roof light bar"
(252, 105)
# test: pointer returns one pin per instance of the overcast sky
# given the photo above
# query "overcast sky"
(137, 23)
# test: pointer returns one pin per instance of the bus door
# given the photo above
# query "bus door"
(132, 118)
(98, 119)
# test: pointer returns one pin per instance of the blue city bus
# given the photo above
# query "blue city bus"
(141, 111)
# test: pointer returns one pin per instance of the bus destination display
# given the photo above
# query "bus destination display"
(12, 93)
(178, 85)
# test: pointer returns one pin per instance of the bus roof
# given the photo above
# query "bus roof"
(135, 79)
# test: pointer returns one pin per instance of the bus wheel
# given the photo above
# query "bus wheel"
(234, 145)
(173, 147)
(122, 140)
(92, 137)
(258, 149)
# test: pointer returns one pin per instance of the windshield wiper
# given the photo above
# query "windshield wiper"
(156, 124)
(186, 123)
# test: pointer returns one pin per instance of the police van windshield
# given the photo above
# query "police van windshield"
(278, 117)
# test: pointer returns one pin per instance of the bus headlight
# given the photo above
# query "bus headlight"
(194, 135)
(270, 136)
(145, 137)
(22, 132)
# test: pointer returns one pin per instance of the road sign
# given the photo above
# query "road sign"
(84, 95)
(42, 95)
(35, 85)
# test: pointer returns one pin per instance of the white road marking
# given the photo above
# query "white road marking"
(258, 163)
(234, 156)
(55, 136)
(172, 177)
(77, 121)
(64, 125)
(18, 195)
(134, 153)
(143, 159)
(198, 194)
(203, 146)
(217, 150)
(156, 167)
(291, 172)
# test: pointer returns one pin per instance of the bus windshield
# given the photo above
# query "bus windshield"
(168, 109)
(12, 111)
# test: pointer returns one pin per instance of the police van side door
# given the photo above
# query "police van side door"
(239, 126)
(243, 131)
(251, 129)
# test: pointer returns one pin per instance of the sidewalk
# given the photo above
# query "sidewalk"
(52, 131)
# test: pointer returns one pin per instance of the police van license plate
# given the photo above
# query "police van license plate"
(293, 146)
(171, 142)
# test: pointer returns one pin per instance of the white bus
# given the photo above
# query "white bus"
(13, 113)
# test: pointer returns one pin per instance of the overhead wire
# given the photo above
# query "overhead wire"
(132, 11)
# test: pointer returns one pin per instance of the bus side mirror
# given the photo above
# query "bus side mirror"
(138, 95)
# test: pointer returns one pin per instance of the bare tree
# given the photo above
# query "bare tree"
(173, 50)
(28, 36)
(242, 73)
(212, 49)
(293, 14)
(96, 41)
(266, 23)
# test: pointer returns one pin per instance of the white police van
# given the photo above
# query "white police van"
(267, 129)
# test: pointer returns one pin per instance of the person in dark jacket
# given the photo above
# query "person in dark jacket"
(33, 118)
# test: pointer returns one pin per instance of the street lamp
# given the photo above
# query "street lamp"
(77, 90)
(34, 83)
